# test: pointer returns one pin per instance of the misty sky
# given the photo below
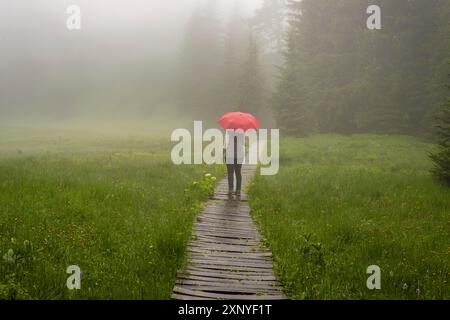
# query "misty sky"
(123, 44)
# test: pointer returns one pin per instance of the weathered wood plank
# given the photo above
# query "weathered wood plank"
(230, 289)
(226, 258)
(229, 275)
(223, 248)
(263, 283)
(209, 251)
(272, 285)
(230, 258)
(224, 296)
(228, 241)
(226, 235)
(229, 263)
(231, 268)
(226, 228)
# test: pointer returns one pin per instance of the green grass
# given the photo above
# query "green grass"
(116, 207)
(340, 204)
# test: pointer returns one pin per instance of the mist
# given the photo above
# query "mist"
(120, 67)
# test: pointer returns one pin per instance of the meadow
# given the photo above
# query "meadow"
(342, 203)
(115, 206)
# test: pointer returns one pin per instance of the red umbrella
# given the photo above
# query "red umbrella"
(239, 120)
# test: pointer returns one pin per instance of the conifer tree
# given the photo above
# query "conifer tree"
(441, 158)
(251, 87)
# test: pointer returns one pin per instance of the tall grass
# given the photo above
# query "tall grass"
(340, 204)
(117, 208)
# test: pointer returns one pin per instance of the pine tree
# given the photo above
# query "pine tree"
(251, 87)
(200, 63)
(288, 101)
(234, 50)
(338, 76)
(441, 158)
(269, 23)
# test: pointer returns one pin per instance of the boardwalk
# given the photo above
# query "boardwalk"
(226, 258)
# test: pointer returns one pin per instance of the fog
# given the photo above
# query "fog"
(312, 66)
(121, 66)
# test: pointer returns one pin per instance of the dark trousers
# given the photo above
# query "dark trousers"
(234, 169)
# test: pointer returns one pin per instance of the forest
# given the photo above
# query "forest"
(89, 116)
(317, 68)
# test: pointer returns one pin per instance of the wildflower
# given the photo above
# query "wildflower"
(418, 291)
(208, 175)
(405, 286)
(9, 257)
(213, 178)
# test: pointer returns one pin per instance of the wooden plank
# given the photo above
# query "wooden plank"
(245, 242)
(224, 262)
(210, 251)
(215, 226)
(230, 275)
(230, 219)
(224, 221)
(221, 239)
(224, 248)
(269, 283)
(237, 232)
(231, 268)
(231, 258)
(242, 197)
(237, 208)
(239, 248)
(218, 238)
(229, 241)
(224, 296)
(225, 235)
(216, 282)
(230, 289)
(229, 214)
(227, 223)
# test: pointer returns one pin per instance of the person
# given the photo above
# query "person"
(234, 157)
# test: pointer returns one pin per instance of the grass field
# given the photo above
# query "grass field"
(340, 204)
(116, 207)
(119, 209)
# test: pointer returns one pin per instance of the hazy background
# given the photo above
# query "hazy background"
(120, 67)
(309, 66)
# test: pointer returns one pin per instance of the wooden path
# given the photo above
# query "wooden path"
(226, 257)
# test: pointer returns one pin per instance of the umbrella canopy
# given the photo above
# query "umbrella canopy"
(239, 120)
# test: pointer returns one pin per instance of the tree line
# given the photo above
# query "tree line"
(338, 76)
(228, 65)
(317, 68)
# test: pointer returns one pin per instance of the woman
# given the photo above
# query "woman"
(234, 156)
